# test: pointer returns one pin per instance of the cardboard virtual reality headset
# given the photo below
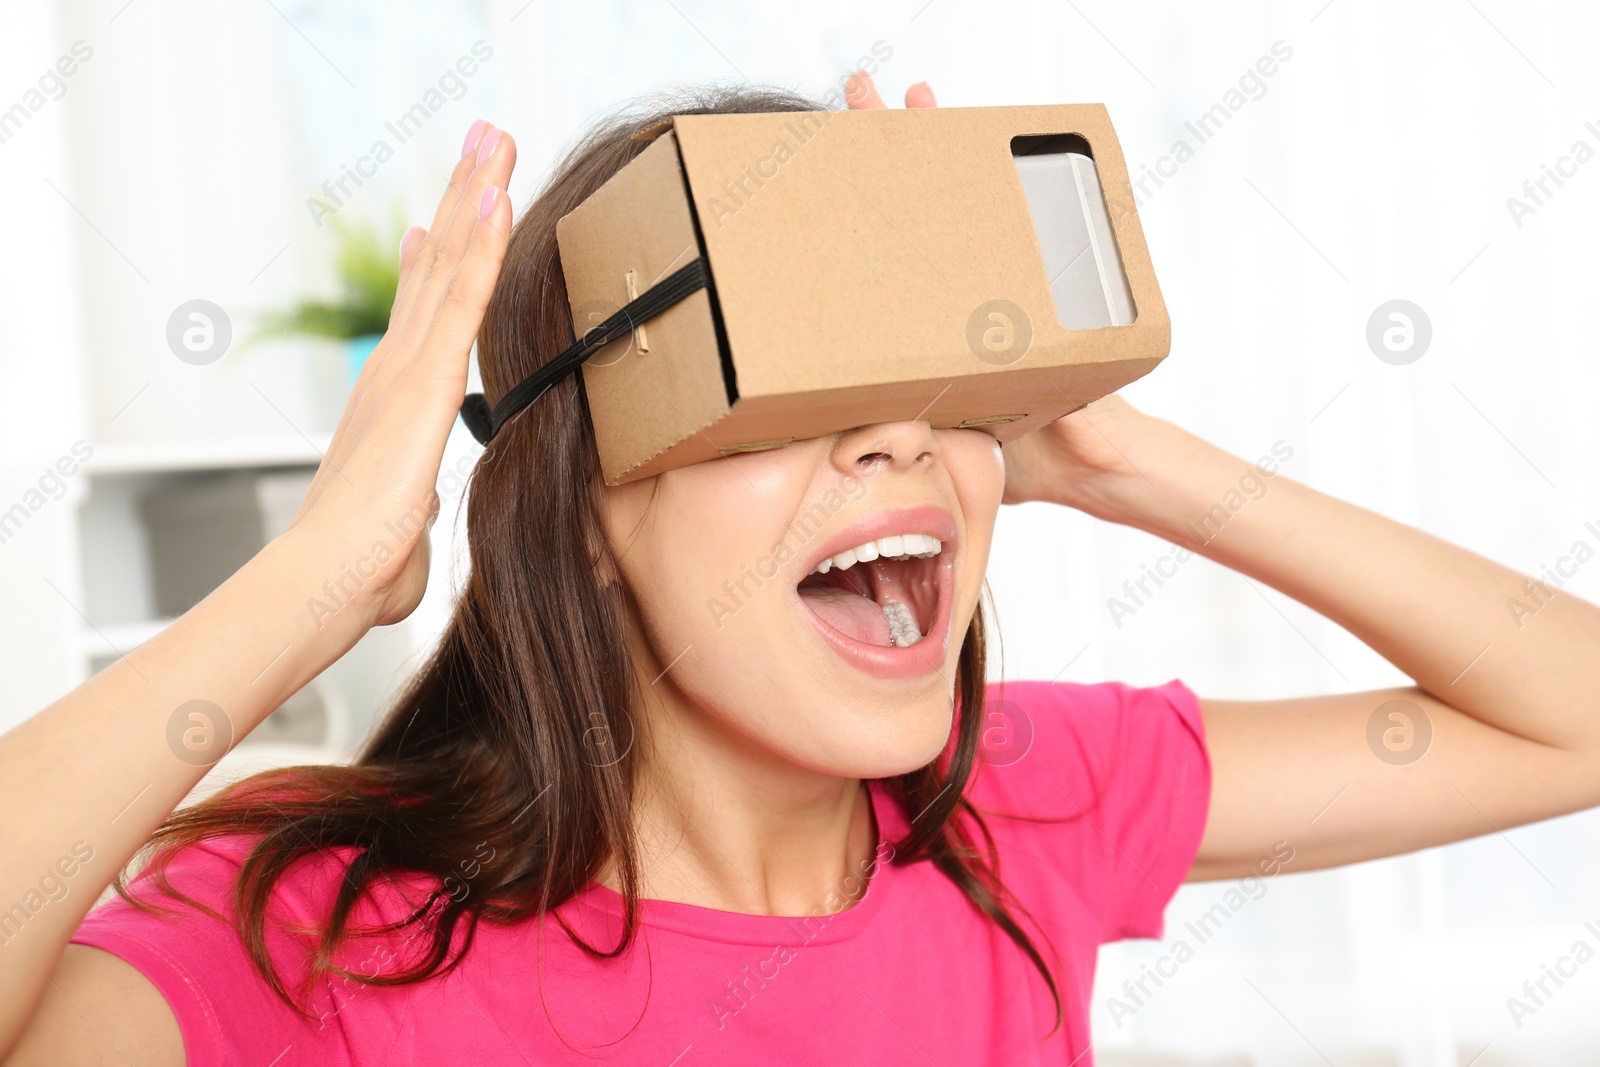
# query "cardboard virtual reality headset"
(749, 280)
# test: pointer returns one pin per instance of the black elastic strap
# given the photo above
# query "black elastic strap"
(484, 423)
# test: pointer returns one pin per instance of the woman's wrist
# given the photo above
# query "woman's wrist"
(1199, 489)
(1165, 481)
(326, 584)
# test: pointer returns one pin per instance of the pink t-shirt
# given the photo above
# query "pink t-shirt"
(910, 974)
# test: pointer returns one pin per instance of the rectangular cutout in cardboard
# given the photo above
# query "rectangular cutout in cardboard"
(1074, 230)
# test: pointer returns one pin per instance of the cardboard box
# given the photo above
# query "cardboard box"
(867, 266)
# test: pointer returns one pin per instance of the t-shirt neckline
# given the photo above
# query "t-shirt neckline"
(739, 928)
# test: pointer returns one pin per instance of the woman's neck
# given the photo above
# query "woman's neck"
(722, 825)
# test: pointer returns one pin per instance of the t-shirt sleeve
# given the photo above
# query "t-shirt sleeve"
(1109, 786)
(226, 1011)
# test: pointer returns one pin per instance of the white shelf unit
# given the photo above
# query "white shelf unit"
(119, 601)
(209, 454)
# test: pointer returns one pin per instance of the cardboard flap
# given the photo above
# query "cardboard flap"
(640, 223)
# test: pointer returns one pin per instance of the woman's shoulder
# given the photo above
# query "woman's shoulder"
(207, 872)
(184, 905)
(179, 926)
(1104, 786)
(1085, 726)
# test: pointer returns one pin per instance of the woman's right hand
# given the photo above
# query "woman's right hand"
(373, 498)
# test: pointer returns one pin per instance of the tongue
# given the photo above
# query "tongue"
(850, 613)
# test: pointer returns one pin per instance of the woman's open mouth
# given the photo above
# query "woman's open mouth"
(885, 596)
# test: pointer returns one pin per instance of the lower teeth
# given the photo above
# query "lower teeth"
(902, 627)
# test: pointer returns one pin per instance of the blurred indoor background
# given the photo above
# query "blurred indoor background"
(189, 156)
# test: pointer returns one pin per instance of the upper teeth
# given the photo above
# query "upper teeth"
(899, 546)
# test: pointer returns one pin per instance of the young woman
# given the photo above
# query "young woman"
(605, 823)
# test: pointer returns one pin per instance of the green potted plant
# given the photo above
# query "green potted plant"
(368, 266)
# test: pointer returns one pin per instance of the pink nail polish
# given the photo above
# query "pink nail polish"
(474, 135)
(487, 148)
(486, 206)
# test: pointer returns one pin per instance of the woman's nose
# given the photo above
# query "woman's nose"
(870, 449)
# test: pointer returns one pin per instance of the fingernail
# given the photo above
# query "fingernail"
(474, 135)
(491, 197)
(405, 241)
(487, 148)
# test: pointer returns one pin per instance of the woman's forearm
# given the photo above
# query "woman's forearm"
(1518, 655)
(96, 772)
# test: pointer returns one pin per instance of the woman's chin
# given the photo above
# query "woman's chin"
(882, 750)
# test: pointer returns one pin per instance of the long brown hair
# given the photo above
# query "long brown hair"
(515, 731)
